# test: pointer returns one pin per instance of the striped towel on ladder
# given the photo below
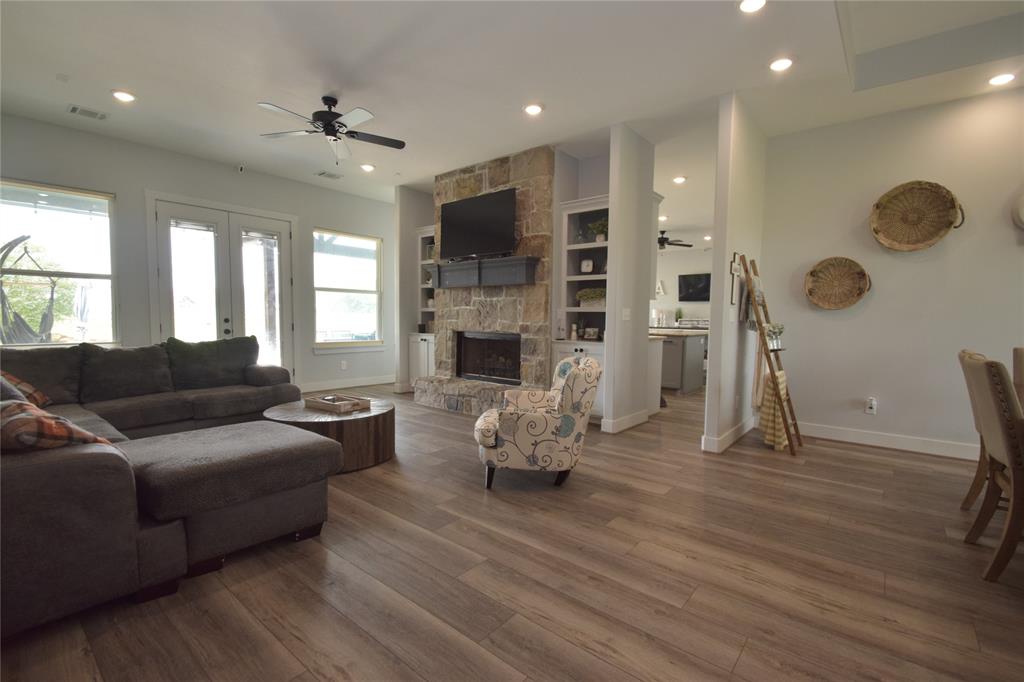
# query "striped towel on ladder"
(772, 428)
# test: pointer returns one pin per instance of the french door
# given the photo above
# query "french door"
(223, 274)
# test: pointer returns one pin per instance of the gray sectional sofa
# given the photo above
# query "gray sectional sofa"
(192, 474)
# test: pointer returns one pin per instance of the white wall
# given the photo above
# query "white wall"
(739, 210)
(593, 176)
(900, 342)
(41, 152)
(413, 210)
(675, 261)
(631, 228)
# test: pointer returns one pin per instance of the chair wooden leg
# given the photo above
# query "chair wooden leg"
(980, 474)
(561, 476)
(985, 512)
(489, 476)
(1011, 536)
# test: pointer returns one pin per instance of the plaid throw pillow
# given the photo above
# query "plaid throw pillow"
(23, 426)
(34, 395)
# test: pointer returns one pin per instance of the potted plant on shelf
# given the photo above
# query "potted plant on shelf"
(591, 298)
(599, 228)
(773, 333)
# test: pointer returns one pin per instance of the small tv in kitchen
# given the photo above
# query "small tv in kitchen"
(480, 226)
(695, 287)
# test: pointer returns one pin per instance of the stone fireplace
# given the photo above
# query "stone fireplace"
(521, 310)
(488, 356)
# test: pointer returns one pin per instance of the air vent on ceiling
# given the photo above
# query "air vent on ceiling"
(328, 175)
(88, 113)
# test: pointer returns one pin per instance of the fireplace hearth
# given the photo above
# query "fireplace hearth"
(488, 356)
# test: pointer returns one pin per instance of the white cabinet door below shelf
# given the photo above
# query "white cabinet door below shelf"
(563, 349)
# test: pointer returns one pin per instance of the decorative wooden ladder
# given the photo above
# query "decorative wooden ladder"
(772, 356)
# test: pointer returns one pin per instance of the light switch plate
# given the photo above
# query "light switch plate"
(627, 313)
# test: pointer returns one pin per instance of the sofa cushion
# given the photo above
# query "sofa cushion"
(54, 371)
(266, 375)
(90, 421)
(182, 474)
(211, 363)
(109, 373)
(228, 401)
(23, 426)
(143, 410)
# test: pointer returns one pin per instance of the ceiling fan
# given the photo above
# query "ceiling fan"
(664, 242)
(333, 126)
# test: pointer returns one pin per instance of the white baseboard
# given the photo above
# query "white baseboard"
(722, 443)
(896, 441)
(623, 423)
(308, 386)
(401, 387)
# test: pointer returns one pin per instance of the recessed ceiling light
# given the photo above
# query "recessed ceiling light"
(751, 6)
(368, 167)
(533, 109)
(662, 218)
(42, 202)
(43, 194)
(707, 237)
(781, 64)
(679, 179)
(1001, 79)
(123, 96)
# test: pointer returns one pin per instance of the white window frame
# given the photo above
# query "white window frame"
(378, 290)
(109, 197)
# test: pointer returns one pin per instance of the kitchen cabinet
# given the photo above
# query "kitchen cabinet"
(682, 364)
(421, 356)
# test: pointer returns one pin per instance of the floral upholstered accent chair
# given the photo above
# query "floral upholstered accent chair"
(541, 430)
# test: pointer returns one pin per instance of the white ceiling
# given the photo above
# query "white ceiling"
(450, 78)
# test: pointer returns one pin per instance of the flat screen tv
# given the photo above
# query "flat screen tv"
(479, 226)
(695, 287)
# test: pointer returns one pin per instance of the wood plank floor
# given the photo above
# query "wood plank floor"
(653, 562)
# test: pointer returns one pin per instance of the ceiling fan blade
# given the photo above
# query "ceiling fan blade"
(676, 242)
(281, 110)
(289, 133)
(355, 117)
(375, 139)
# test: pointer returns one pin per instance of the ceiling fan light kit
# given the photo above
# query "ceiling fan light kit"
(334, 127)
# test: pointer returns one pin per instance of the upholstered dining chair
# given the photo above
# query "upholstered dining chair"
(541, 430)
(981, 473)
(1000, 421)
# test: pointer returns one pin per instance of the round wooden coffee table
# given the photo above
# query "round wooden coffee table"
(367, 435)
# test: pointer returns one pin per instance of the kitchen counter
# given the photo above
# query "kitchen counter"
(672, 331)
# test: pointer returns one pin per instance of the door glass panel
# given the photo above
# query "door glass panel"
(261, 286)
(194, 280)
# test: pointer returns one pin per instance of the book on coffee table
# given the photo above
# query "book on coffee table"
(338, 403)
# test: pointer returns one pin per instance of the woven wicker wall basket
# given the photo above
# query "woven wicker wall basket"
(915, 215)
(836, 283)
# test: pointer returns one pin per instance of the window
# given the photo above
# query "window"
(346, 283)
(56, 281)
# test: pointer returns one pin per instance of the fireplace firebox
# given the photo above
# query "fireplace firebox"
(488, 356)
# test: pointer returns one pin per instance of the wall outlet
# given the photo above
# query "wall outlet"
(627, 314)
(871, 406)
(344, 364)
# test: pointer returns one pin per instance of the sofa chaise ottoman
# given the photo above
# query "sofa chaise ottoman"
(234, 486)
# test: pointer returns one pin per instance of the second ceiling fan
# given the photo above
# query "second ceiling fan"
(333, 126)
(664, 242)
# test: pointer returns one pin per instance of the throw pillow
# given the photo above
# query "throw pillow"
(30, 392)
(23, 426)
(9, 392)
